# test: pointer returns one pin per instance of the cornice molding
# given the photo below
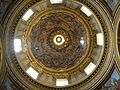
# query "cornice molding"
(104, 3)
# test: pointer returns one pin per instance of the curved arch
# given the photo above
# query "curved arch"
(2, 59)
(116, 23)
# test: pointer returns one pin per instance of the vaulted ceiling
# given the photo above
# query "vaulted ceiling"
(59, 44)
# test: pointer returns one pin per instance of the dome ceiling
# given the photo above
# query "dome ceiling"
(57, 43)
(50, 42)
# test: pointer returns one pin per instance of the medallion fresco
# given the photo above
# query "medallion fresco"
(58, 56)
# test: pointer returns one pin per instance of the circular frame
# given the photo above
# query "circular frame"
(116, 24)
(84, 58)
